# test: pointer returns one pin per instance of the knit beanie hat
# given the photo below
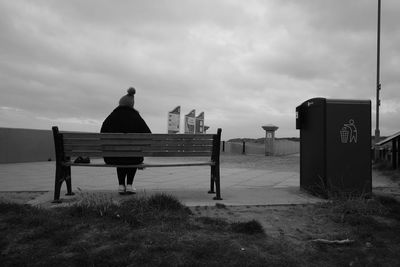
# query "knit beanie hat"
(128, 99)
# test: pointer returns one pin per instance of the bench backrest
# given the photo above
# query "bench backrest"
(73, 144)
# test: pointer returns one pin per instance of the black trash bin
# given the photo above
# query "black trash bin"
(335, 146)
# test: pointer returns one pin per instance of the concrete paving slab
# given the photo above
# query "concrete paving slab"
(40, 176)
(239, 186)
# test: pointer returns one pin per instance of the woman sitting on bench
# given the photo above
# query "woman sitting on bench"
(125, 119)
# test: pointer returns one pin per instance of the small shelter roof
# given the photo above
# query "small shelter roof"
(388, 139)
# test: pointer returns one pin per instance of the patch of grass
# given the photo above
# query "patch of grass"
(213, 222)
(236, 251)
(361, 220)
(328, 190)
(91, 203)
(158, 231)
(220, 206)
(250, 227)
(359, 213)
(162, 201)
(40, 224)
(41, 237)
(387, 200)
(392, 205)
(370, 223)
(356, 206)
(6, 206)
(138, 211)
(142, 211)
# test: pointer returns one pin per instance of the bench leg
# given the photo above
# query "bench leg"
(212, 175)
(62, 174)
(58, 183)
(217, 185)
(68, 181)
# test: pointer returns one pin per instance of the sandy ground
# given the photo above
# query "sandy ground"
(284, 163)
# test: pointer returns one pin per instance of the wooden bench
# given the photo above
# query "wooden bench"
(70, 145)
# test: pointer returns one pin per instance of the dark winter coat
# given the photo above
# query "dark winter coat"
(124, 120)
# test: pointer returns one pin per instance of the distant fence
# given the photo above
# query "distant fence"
(25, 145)
(282, 147)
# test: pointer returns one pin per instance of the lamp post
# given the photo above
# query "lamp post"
(378, 83)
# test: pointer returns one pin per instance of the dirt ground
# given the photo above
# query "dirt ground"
(299, 224)
(19, 197)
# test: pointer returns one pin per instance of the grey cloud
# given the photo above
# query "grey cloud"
(244, 63)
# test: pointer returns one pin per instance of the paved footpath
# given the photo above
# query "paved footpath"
(239, 186)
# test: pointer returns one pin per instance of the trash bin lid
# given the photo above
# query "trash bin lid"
(312, 102)
(348, 101)
(322, 101)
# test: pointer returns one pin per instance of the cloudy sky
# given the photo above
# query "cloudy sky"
(244, 63)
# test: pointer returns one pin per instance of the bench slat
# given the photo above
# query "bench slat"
(180, 142)
(87, 141)
(82, 147)
(77, 153)
(127, 142)
(156, 148)
(136, 148)
(144, 145)
(144, 165)
(76, 141)
(68, 135)
(103, 148)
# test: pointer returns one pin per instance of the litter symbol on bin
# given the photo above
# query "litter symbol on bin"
(348, 133)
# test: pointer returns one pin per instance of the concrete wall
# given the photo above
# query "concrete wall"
(282, 147)
(26, 145)
(286, 147)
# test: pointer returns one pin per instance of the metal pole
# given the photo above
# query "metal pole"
(398, 152)
(378, 84)
(394, 153)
